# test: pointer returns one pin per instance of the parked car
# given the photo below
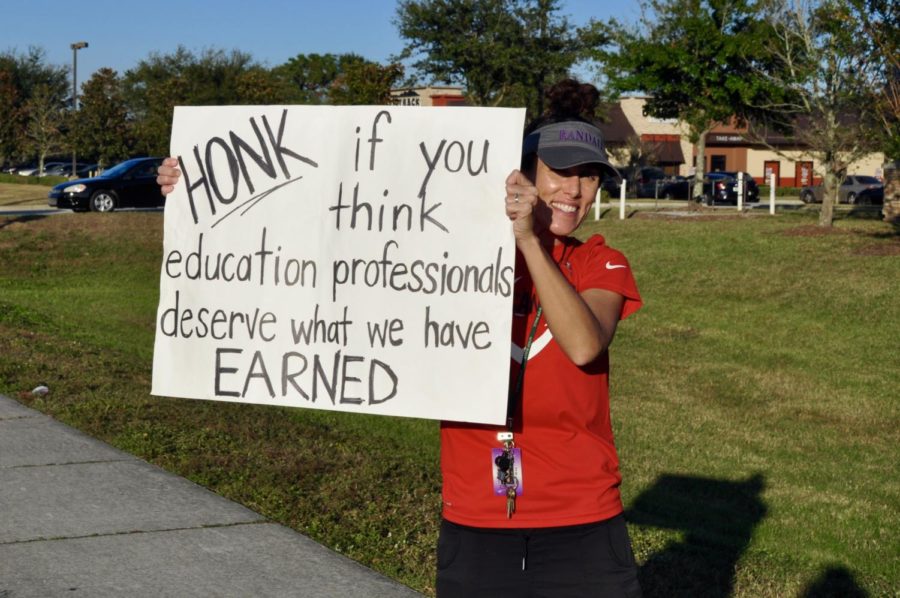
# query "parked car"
(870, 196)
(723, 187)
(645, 181)
(35, 170)
(678, 187)
(642, 182)
(848, 192)
(63, 169)
(87, 170)
(82, 170)
(610, 184)
(129, 184)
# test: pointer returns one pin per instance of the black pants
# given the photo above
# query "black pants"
(583, 561)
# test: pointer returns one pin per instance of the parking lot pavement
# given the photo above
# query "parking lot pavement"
(81, 518)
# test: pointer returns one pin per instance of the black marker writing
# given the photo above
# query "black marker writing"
(452, 334)
(384, 333)
(339, 379)
(223, 187)
(375, 138)
(185, 322)
(454, 157)
(265, 266)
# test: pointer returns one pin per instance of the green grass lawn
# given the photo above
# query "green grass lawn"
(754, 401)
(19, 194)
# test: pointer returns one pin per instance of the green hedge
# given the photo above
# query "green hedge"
(779, 191)
(46, 181)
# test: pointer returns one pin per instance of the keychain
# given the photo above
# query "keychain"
(507, 466)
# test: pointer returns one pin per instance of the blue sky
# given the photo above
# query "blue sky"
(122, 32)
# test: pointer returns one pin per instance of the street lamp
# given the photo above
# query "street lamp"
(75, 47)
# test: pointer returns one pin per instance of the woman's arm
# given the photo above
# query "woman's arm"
(582, 324)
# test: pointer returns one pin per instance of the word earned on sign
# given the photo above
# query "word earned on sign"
(341, 378)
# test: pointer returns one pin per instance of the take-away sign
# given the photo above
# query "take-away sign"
(353, 258)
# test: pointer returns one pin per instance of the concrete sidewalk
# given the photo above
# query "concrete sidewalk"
(80, 518)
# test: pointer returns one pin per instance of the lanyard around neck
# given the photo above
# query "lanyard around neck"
(515, 395)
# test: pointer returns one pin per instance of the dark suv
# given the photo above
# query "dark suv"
(642, 182)
(722, 187)
(646, 181)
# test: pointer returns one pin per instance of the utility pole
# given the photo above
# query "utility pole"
(75, 47)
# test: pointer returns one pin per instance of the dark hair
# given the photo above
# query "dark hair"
(567, 100)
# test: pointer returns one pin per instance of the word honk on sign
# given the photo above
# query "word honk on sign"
(346, 258)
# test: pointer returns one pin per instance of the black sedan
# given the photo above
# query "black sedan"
(129, 184)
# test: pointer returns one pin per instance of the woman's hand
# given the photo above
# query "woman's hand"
(168, 175)
(521, 201)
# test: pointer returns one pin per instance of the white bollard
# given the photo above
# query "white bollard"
(622, 199)
(740, 191)
(772, 193)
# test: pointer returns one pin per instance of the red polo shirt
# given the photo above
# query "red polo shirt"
(570, 469)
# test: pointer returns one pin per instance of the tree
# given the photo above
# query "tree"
(828, 97)
(875, 31)
(500, 51)
(634, 154)
(214, 78)
(311, 76)
(11, 118)
(695, 59)
(45, 118)
(29, 70)
(20, 76)
(101, 128)
(365, 83)
(551, 47)
(258, 85)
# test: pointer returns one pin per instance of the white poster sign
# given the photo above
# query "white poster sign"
(345, 258)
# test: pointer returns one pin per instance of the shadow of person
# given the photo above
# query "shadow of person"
(4, 222)
(717, 518)
(835, 582)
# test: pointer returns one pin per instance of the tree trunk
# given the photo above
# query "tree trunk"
(892, 192)
(829, 198)
(700, 166)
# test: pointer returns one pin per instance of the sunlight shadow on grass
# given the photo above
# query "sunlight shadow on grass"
(717, 519)
(4, 222)
(835, 582)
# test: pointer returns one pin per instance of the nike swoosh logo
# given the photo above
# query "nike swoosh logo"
(610, 266)
(537, 346)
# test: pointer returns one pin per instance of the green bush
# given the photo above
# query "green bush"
(47, 181)
(779, 191)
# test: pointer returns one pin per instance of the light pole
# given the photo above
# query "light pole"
(75, 47)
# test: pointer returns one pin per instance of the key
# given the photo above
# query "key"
(510, 502)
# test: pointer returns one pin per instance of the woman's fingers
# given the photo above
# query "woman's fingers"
(521, 195)
(168, 175)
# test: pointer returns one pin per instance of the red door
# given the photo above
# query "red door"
(772, 167)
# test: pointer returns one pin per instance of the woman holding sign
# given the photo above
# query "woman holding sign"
(533, 508)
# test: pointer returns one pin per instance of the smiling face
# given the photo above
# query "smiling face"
(565, 196)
